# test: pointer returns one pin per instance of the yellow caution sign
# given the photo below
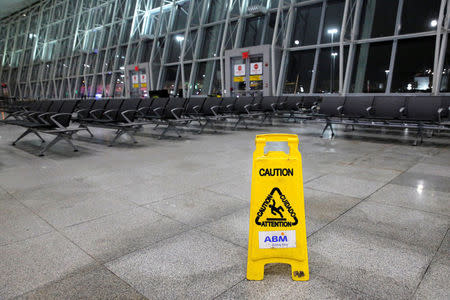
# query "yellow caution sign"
(277, 211)
(239, 79)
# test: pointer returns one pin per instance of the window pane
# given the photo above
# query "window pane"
(190, 45)
(378, 18)
(210, 48)
(169, 82)
(418, 15)
(203, 78)
(187, 75)
(328, 70)
(253, 31)
(307, 23)
(217, 10)
(371, 68)
(181, 16)
(176, 41)
(231, 35)
(146, 51)
(413, 65)
(299, 72)
(333, 21)
(445, 82)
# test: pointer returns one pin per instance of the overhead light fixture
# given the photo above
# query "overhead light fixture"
(433, 23)
(257, 10)
(332, 31)
(179, 38)
(297, 42)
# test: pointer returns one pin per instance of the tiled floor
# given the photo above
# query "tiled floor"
(168, 219)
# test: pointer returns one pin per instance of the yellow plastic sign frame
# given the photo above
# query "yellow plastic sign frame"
(277, 211)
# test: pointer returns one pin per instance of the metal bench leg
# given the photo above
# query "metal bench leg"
(118, 134)
(419, 137)
(68, 139)
(237, 123)
(157, 125)
(164, 131)
(39, 136)
(49, 145)
(203, 126)
(27, 132)
(263, 120)
(131, 135)
(177, 131)
(87, 129)
(245, 123)
(324, 129)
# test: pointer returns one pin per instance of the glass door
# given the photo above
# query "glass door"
(256, 75)
(247, 76)
(138, 81)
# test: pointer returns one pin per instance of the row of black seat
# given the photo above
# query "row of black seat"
(126, 116)
(416, 112)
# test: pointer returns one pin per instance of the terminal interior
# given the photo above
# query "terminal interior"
(127, 133)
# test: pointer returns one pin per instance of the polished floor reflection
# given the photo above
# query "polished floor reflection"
(168, 219)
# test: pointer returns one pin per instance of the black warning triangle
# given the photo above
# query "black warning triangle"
(280, 212)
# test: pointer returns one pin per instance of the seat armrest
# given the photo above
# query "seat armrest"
(402, 109)
(53, 118)
(40, 117)
(173, 111)
(139, 111)
(214, 108)
(92, 113)
(273, 105)
(196, 109)
(80, 110)
(339, 109)
(155, 110)
(246, 108)
(106, 113)
(125, 112)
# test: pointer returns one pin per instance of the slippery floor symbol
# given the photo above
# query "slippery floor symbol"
(276, 211)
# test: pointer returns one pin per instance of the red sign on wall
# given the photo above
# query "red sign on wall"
(245, 55)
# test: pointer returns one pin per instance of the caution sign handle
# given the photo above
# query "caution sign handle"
(263, 139)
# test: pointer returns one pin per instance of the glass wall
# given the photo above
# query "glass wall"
(70, 49)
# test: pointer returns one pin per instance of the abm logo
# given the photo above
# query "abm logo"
(276, 239)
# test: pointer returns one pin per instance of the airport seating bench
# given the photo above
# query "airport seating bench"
(419, 113)
(52, 117)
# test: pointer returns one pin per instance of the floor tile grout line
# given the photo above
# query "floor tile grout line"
(333, 193)
(362, 200)
(221, 238)
(226, 290)
(67, 276)
(429, 264)
(146, 246)
(124, 281)
(344, 285)
(98, 262)
(77, 246)
(411, 208)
